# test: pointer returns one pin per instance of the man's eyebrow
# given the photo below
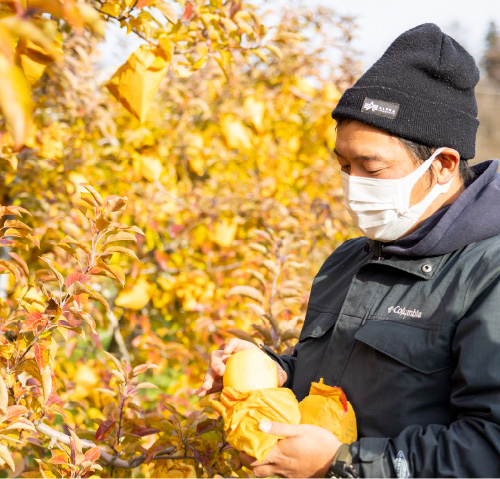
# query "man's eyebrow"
(362, 157)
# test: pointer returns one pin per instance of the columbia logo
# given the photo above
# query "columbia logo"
(380, 107)
(403, 312)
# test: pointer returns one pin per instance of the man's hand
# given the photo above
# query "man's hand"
(306, 451)
(217, 366)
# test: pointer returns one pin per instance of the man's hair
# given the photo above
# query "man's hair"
(420, 153)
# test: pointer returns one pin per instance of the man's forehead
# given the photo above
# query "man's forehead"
(366, 155)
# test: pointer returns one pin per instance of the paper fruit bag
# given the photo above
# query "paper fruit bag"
(327, 406)
(242, 413)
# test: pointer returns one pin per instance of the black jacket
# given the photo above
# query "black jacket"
(411, 332)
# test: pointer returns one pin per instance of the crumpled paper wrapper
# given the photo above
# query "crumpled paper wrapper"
(327, 406)
(243, 412)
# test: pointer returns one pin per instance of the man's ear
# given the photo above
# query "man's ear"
(447, 165)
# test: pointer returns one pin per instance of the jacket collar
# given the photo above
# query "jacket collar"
(423, 267)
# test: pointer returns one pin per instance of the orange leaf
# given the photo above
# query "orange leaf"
(187, 12)
(72, 277)
(15, 411)
(32, 322)
(58, 457)
(21, 261)
(41, 355)
(93, 454)
(143, 3)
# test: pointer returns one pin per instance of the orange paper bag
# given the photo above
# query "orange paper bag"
(327, 406)
(242, 413)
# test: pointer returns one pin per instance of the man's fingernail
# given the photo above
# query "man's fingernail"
(265, 426)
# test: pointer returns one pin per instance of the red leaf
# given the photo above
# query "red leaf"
(92, 454)
(104, 429)
(33, 321)
(72, 277)
(145, 431)
(73, 450)
(187, 12)
(159, 445)
(206, 426)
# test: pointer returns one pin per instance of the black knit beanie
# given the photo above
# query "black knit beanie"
(421, 89)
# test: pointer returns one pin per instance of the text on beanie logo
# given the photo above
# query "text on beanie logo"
(380, 108)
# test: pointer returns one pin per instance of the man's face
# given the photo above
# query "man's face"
(366, 151)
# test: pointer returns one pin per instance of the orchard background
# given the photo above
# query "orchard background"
(189, 198)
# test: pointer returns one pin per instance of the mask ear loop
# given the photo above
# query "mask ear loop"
(411, 180)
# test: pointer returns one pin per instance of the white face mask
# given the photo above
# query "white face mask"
(381, 208)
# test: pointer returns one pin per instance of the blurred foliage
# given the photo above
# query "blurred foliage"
(189, 199)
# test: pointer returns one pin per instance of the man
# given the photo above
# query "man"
(407, 318)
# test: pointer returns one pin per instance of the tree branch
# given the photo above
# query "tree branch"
(118, 336)
(105, 456)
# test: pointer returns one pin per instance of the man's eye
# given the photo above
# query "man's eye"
(345, 168)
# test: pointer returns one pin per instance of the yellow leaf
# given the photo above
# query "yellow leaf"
(173, 468)
(66, 10)
(50, 139)
(15, 101)
(224, 232)
(46, 383)
(149, 167)
(32, 61)
(247, 291)
(229, 25)
(260, 53)
(136, 82)
(91, 18)
(305, 86)
(6, 458)
(4, 400)
(29, 32)
(182, 71)
(331, 93)
(197, 164)
(256, 109)
(136, 297)
(236, 134)
(274, 49)
(167, 10)
(77, 179)
(111, 8)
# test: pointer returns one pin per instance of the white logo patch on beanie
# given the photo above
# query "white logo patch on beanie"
(380, 108)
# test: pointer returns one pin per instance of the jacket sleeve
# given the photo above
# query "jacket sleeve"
(469, 446)
(286, 362)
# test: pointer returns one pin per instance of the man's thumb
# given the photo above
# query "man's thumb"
(278, 428)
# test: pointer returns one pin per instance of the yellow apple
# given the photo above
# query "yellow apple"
(250, 369)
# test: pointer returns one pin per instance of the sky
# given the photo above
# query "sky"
(379, 21)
